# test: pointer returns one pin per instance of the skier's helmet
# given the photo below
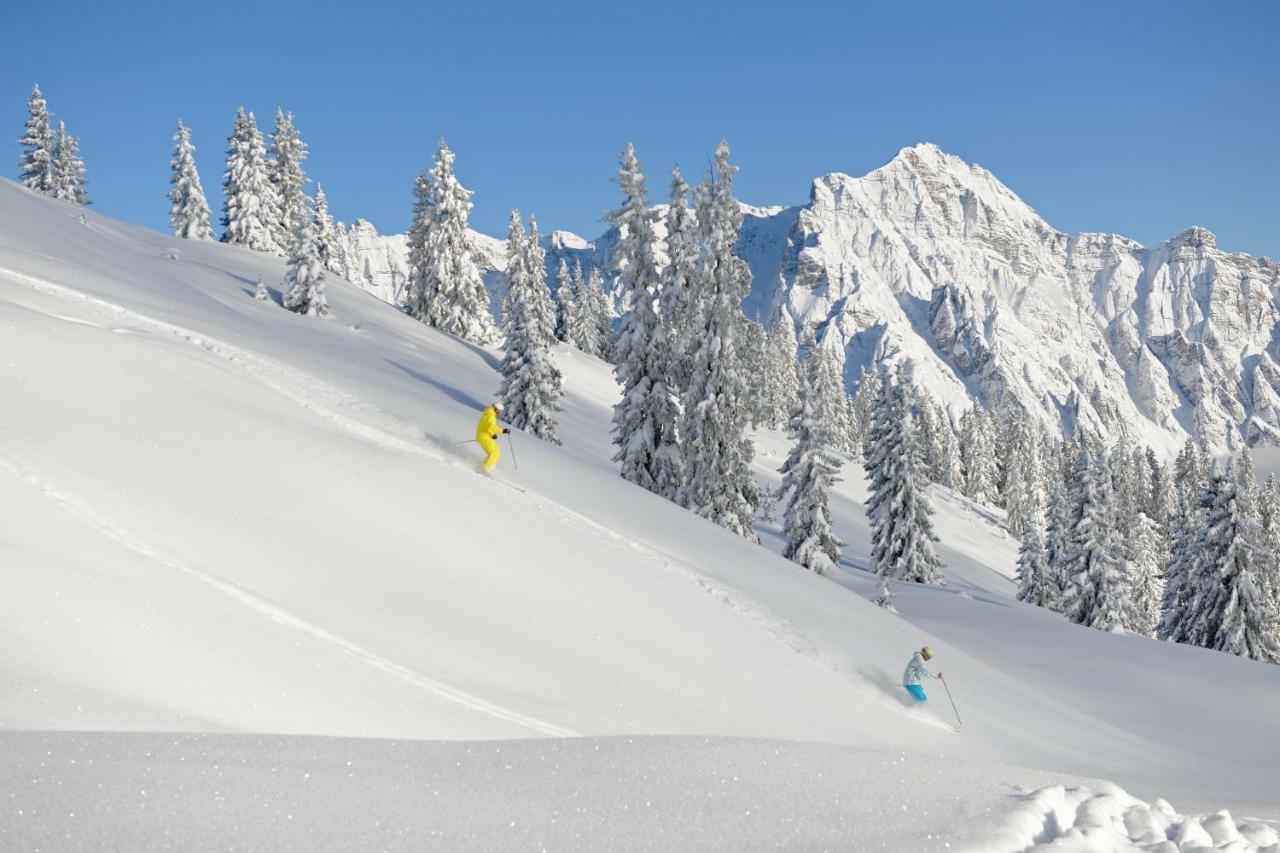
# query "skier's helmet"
(497, 406)
(926, 653)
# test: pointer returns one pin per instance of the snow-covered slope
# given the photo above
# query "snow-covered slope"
(931, 260)
(222, 517)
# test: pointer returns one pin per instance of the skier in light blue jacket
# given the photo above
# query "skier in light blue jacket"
(916, 670)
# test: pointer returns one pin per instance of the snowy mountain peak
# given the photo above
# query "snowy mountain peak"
(932, 260)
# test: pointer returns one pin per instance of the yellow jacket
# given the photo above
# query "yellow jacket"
(488, 426)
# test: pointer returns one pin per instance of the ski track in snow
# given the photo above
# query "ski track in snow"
(365, 421)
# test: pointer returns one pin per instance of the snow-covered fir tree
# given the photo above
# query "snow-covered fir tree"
(717, 454)
(645, 419)
(782, 380)
(326, 233)
(285, 171)
(1228, 611)
(751, 352)
(1036, 581)
(304, 280)
(951, 466)
(677, 305)
(1024, 479)
(531, 382)
(977, 455)
(542, 305)
(601, 314)
(445, 288)
(898, 507)
(250, 210)
(1099, 591)
(807, 477)
(1146, 560)
(833, 400)
(1185, 523)
(864, 400)
(566, 304)
(585, 324)
(189, 214)
(1059, 520)
(68, 169)
(261, 293)
(39, 146)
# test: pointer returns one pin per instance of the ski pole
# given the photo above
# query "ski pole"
(953, 701)
(512, 445)
(460, 443)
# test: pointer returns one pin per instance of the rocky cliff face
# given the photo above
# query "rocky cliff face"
(932, 261)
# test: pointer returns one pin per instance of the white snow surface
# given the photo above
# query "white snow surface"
(242, 547)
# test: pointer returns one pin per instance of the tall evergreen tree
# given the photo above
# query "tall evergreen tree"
(1036, 582)
(977, 454)
(531, 382)
(39, 146)
(1024, 479)
(898, 508)
(566, 305)
(1185, 523)
(645, 418)
(189, 213)
(68, 169)
(677, 304)
(304, 280)
(864, 400)
(1057, 540)
(250, 207)
(718, 484)
(445, 288)
(285, 172)
(808, 475)
(1099, 592)
(327, 239)
(584, 326)
(602, 313)
(781, 371)
(1146, 560)
(1228, 611)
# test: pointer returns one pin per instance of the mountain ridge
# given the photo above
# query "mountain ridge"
(933, 261)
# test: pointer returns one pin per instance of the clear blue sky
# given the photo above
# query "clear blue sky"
(1134, 117)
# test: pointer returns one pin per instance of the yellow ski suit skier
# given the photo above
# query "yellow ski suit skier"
(487, 432)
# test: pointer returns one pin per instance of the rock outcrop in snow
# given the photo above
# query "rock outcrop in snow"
(933, 261)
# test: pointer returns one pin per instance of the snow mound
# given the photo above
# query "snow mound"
(1105, 819)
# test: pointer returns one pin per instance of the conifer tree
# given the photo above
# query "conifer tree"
(566, 304)
(782, 380)
(898, 508)
(445, 288)
(808, 475)
(531, 382)
(1036, 582)
(327, 239)
(585, 326)
(39, 146)
(1059, 519)
(751, 353)
(717, 455)
(645, 418)
(250, 207)
(1146, 561)
(68, 169)
(977, 454)
(261, 293)
(864, 400)
(287, 177)
(1099, 592)
(542, 306)
(1024, 486)
(677, 303)
(1185, 523)
(189, 214)
(1228, 611)
(602, 313)
(304, 281)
